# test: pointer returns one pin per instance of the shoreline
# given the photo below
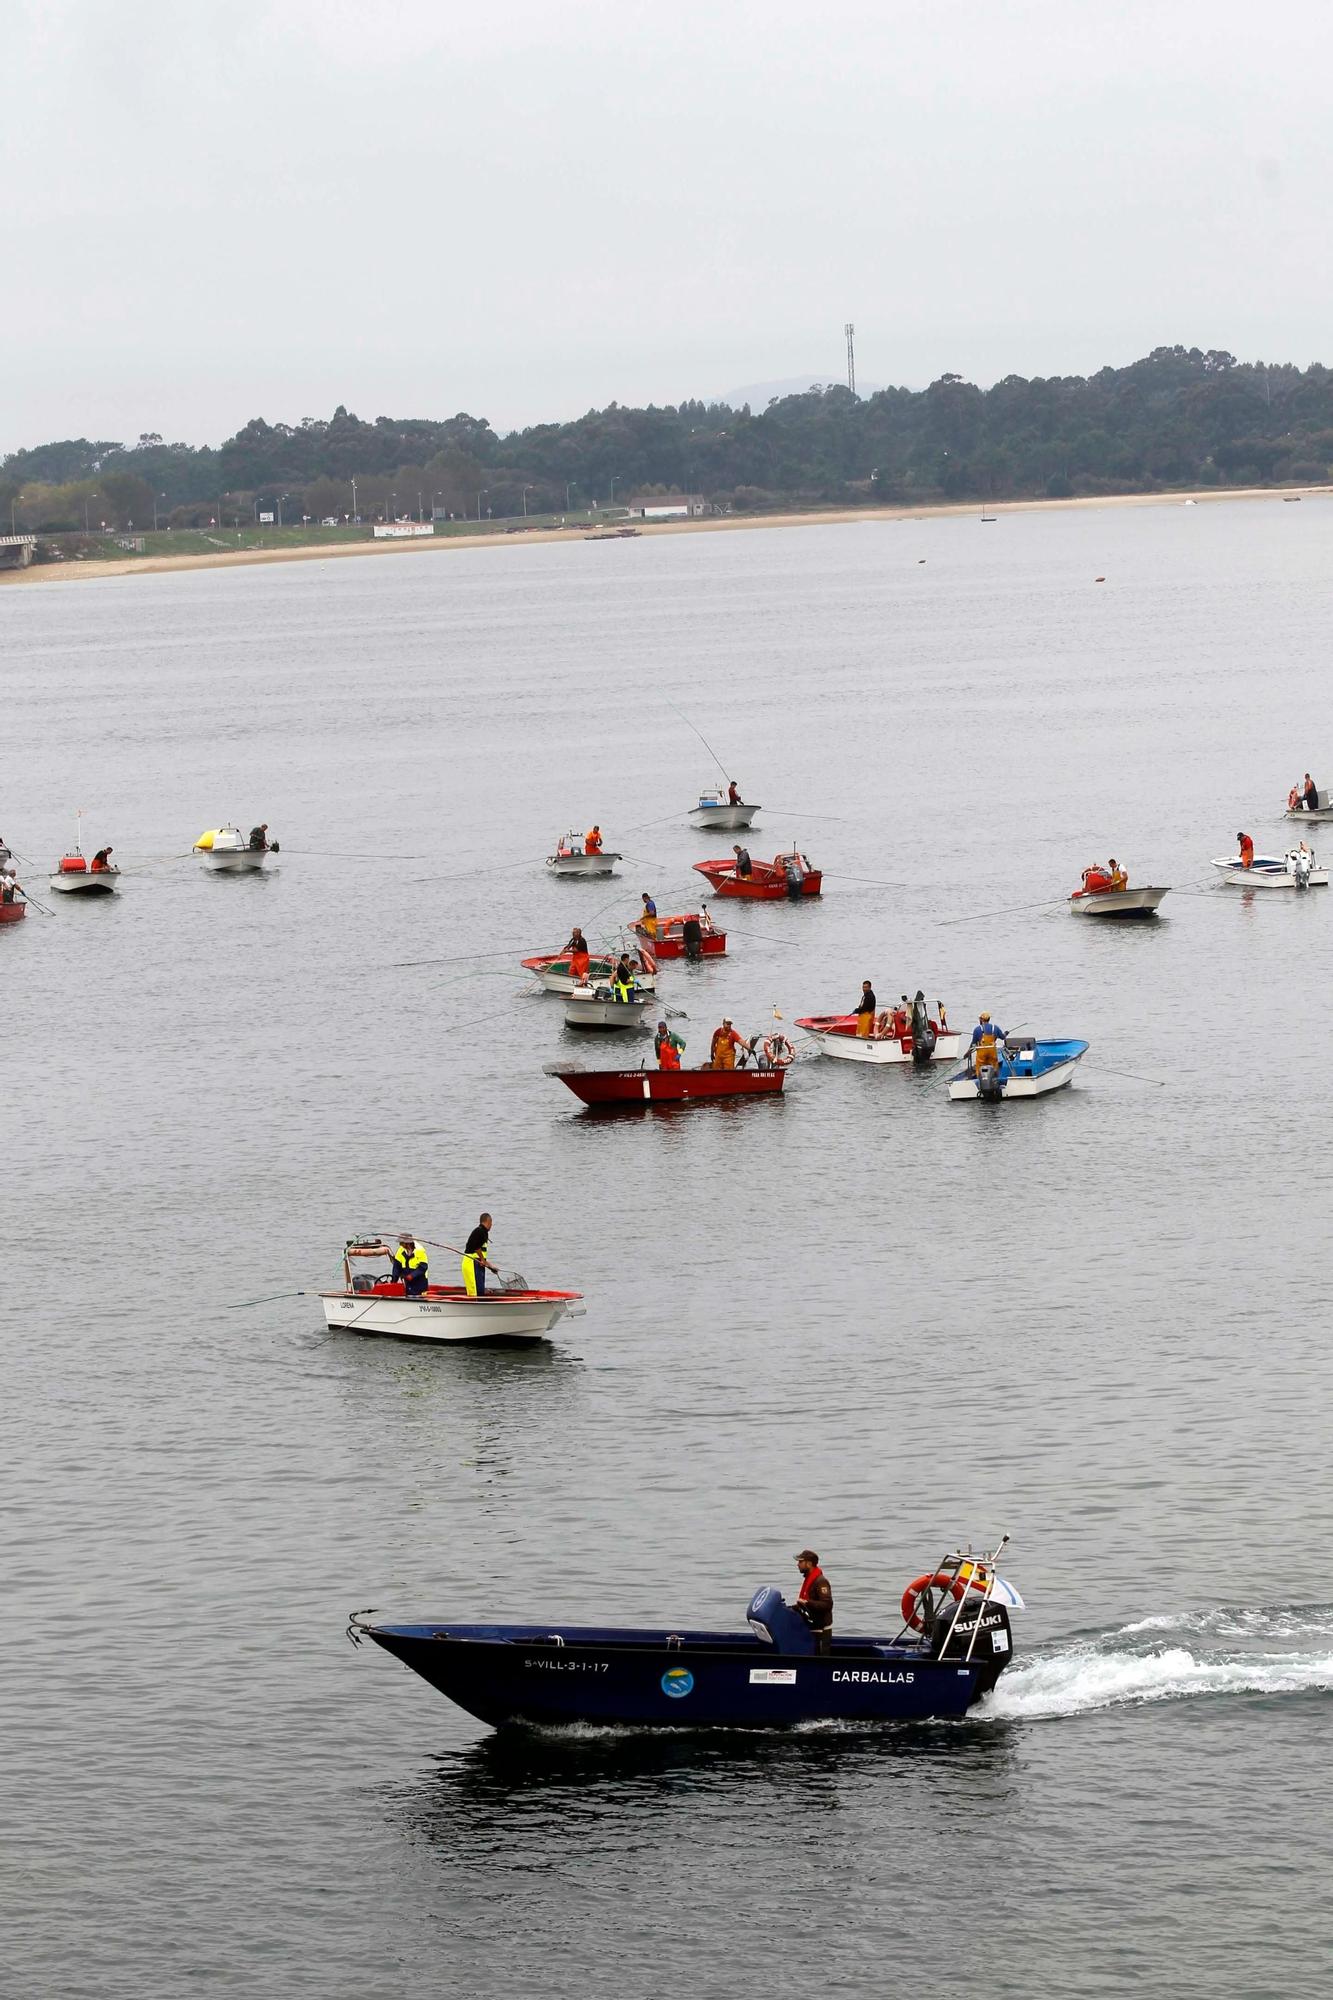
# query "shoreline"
(337, 552)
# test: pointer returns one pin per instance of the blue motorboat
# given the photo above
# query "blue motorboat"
(1015, 1067)
(954, 1643)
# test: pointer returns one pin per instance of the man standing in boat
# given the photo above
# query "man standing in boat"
(667, 1047)
(1246, 841)
(733, 794)
(475, 1253)
(592, 840)
(648, 921)
(725, 1043)
(412, 1265)
(865, 1011)
(744, 865)
(815, 1602)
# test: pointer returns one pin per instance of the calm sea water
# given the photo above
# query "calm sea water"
(860, 1317)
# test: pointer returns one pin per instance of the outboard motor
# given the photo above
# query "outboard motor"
(990, 1083)
(989, 1622)
(776, 1623)
(693, 938)
(793, 875)
(923, 1035)
(1300, 868)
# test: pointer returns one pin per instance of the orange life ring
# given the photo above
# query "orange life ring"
(957, 1587)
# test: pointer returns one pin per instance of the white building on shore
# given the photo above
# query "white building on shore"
(667, 507)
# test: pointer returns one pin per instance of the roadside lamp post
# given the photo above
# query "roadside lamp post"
(393, 505)
(281, 498)
(570, 484)
(354, 512)
(613, 490)
(526, 491)
(480, 497)
(421, 509)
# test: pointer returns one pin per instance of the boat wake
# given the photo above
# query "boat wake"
(1275, 1650)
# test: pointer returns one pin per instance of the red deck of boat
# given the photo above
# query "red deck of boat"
(10, 913)
(670, 939)
(668, 1086)
(767, 881)
(845, 1024)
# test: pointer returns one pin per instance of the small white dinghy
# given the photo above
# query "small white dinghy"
(509, 1314)
(1116, 902)
(715, 809)
(598, 1007)
(226, 851)
(75, 875)
(571, 857)
(1319, 814)
(1296, 869)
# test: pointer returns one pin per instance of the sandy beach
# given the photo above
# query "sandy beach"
(724, 524)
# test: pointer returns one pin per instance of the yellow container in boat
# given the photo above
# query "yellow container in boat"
(205, 840)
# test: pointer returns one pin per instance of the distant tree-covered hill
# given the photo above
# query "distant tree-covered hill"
(1180, 417)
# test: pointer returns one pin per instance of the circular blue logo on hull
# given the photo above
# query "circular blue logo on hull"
(677, 1681)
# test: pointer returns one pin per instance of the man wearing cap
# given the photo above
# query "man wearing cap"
(815, 1602)
(411, 1264)
(722, 1049)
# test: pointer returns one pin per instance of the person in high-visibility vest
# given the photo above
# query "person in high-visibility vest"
(648, 921)
(475, 1255)
(412, 1265)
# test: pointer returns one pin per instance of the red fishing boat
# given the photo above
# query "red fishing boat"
(12, 913)
(786, 876)
(633, 1088)
(672, 942)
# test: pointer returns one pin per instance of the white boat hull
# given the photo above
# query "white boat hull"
(631, 1014)
(583, 864)
(233, 861)
(102, 883)
(1019, 1086)
(1268, 872)
(722, 817)
(883, 1051)
(512, 1318)
(1117, 903)
(1313, 816)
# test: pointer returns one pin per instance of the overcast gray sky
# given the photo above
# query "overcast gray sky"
(216, 209)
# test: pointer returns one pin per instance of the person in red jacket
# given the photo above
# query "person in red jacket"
(592, 840)
(1246, 849)
(815, 1602)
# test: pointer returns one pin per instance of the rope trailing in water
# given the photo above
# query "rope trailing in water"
(238, 1305)
(980, 916)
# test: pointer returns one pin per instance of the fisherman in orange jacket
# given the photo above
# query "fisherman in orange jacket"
(722, 1052)
(592, 840)
(1246, 849)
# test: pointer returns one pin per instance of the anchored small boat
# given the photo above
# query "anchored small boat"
(953, 1643)
(75, 876)
(1018, 1067)
(13, 913)
(1296, 869)
(691, 935)
(1096, 900)
(598, 1007)
(227, 851)
(788, 876)
(373, 1301)
(715, 809)
(896, 1037)
(572, 857)
(631, 1089)
(1319, 813)
(552, 971)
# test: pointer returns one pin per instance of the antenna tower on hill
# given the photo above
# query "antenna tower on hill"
(850, 332)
